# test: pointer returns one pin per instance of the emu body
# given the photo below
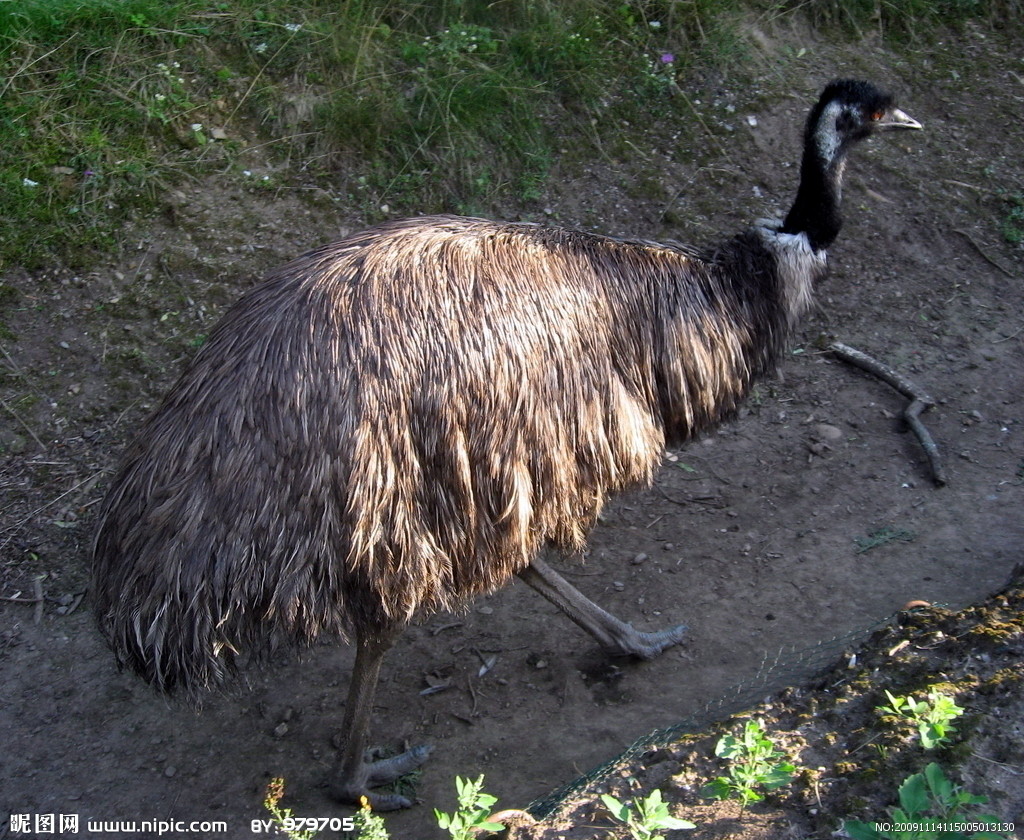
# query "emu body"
(398, 422)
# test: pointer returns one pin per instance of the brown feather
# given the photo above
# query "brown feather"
(399, 421)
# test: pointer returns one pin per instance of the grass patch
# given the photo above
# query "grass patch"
(404, 107)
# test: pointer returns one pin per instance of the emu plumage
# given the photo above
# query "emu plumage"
(399, 422)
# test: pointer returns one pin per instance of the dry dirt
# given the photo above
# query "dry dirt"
(754, 536)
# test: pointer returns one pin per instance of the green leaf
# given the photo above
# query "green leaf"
(862, 830)
(720, 788)
(619, 811)
(914, 795)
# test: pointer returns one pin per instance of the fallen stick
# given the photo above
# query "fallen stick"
(919, 401)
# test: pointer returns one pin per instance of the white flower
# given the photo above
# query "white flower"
(28, 182)
(197, 127)
(655, 24)
(260, 48)
(293, 27)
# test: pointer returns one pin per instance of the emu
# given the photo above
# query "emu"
(400, 421)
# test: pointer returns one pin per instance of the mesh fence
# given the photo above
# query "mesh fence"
(790, 666)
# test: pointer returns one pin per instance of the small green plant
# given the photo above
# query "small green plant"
(932, 716)
(645, 816)
(881, 537)
(754, 762)
(369, 825)
(283, 816)
(929, 802)
(472, 813)
(1013, 223)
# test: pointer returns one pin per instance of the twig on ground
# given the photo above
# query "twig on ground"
(12, 530)
(28, 428)
(984, 255)
(919, 402)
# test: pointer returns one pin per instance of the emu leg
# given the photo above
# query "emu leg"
(615, 636)
(353, 776)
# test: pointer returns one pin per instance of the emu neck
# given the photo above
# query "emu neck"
(816, 208)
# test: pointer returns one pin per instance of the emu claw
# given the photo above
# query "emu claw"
(388, 769)
(646, 645)
(381, 772)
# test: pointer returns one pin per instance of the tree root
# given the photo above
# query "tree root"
(919, 402)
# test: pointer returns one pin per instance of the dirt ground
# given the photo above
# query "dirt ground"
(756, 537)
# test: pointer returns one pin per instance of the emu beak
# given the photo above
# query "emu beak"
(897, 119)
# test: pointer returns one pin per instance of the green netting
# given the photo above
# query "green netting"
(790, 666)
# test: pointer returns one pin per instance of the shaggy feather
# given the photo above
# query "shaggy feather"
(397, 422)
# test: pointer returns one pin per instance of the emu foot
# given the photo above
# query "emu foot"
(351, 788)
(626, 641)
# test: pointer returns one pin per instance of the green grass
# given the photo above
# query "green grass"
(411, 106)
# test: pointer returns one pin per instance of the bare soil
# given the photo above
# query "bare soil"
(756, 537)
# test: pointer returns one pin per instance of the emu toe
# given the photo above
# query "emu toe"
(630, 642)
(374, 773)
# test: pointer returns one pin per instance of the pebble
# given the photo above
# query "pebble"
(639, 559)
(170, 771)
(825, 431)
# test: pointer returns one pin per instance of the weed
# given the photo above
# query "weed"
(471, 816)
(1013, 222)
(881, 537)
(645, 816)
(933, 716)
(369, 825)
(754, 762)
(929, 804)
(283, 816)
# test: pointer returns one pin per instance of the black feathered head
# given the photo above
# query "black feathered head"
(848, 111)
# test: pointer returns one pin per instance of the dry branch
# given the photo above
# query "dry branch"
(919, 401)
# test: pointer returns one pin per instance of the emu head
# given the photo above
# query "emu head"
(847, 112)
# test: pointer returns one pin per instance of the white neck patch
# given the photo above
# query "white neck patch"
(826, 135)
(800, 267)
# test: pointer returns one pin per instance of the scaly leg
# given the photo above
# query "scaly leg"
(353, 776)
(616, 637)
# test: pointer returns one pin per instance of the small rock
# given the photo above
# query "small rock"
(636, 561)
(12, 443)
(281, 730)
(170, 770)
(825, 431)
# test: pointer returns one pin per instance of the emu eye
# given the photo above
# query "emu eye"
(877, 115)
